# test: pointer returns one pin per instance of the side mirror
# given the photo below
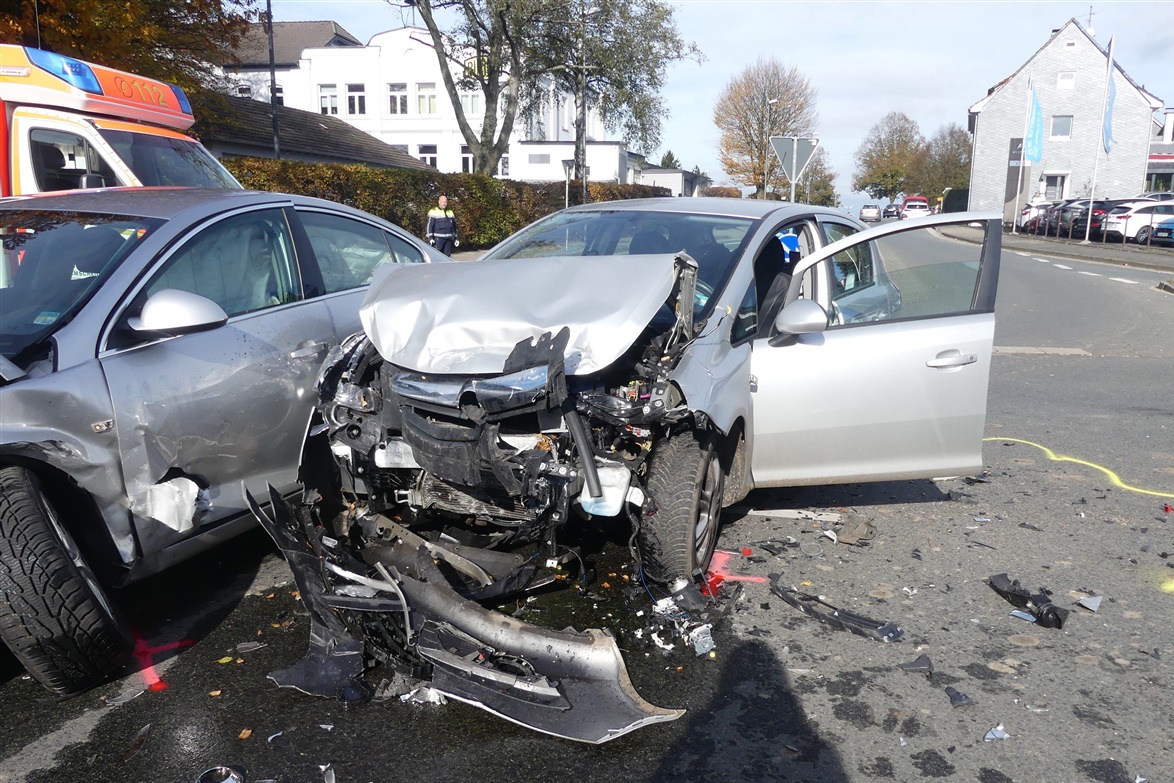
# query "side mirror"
(802, 316)
(174, 312)
(91, 181)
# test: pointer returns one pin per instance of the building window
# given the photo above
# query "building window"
(328, 98)
(1061, 126)
(1066, 80)
(471, 104)
(278, 95)
(426, 98)
(397, 98)
(1054, 187)
(503, 166)
(466, 159)
(539, 160)
(356, 99)
(426, 153)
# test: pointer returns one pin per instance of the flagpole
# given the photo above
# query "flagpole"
(1022, 156)
(1100, 143)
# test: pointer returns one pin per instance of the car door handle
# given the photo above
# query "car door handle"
(308, 351)
(951, 358)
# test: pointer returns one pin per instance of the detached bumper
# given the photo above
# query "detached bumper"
(566, 683)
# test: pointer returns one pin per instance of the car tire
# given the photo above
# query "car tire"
(686, 482)
(54, 616)
(1143, 235)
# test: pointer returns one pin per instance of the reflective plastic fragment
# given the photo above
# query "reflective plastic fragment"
(996, 734)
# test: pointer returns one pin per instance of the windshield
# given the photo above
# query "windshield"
(50, 265)
(163, 160)
(715, 242)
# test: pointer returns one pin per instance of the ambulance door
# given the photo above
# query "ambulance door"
(54, 150)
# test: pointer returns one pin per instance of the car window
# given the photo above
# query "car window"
(404, 252)
(773, 266)
(746, 321)
(243, 263)
(920, 273)
(348, 251)
(61, 160)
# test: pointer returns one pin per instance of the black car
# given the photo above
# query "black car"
(891, 211)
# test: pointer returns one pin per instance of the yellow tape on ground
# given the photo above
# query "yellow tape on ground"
(1113, 477)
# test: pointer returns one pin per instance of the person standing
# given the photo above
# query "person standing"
(442, 227)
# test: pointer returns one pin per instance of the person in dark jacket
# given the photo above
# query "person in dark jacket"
(442, 227)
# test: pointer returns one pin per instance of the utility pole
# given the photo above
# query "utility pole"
(272, 80)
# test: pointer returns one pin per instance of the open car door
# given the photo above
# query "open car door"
(892, 383)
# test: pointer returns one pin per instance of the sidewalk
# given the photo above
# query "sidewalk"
(1157, 258)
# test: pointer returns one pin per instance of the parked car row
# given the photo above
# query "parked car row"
(489, 403)
(1111, 219)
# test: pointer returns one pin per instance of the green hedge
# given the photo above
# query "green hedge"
(487, 209)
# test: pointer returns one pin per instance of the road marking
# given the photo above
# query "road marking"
(1061, 266)
(1113, 477)
(1039, 351)
(1090, 274)
(1025, 255)
(1043, 260)
(1123, 280)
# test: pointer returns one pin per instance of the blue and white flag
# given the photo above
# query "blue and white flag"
(1111, 94)
(1033, 144)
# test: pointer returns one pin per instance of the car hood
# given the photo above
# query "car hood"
(466, 318)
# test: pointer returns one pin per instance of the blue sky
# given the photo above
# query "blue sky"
(929, 59)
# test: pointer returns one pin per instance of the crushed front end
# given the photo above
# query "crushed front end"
(433, 497)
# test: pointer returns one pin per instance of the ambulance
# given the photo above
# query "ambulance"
(70, 124)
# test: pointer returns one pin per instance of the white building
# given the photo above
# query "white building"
(392, 88)
(1068, 74)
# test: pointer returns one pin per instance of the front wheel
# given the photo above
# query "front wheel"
(686, 481)
(54, 616)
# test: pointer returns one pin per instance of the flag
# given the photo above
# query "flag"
(1033, 144)
(1110, 95)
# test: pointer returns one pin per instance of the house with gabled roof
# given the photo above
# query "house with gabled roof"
(1069, 76)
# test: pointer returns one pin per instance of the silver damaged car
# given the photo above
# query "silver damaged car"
(651, 361)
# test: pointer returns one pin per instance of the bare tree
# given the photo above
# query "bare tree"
(766, 99)
(887, 155)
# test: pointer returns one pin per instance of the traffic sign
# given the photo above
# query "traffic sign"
(794, 152)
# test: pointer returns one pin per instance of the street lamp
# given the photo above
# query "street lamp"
(765, 156)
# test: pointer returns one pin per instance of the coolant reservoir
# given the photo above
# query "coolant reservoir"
(613, 480)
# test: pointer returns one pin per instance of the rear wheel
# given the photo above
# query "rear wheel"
(54, 616)
(686, 481)
(1143, 235)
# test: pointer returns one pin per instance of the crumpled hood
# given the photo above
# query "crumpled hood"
(466, 318)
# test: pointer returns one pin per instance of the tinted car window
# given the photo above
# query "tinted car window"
(242, 263)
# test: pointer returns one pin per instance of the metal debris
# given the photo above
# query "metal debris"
(702, 639)
(223, 774)
(815, 606)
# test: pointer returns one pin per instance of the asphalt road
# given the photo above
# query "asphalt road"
(1079, 471)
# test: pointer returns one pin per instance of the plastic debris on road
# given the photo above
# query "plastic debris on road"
(996, 734)
(919, 665)
(424, 695)
(224, 774)
(1038, 606)
(137, 743)
(1091, 603)
(248, 647)
(957, 698)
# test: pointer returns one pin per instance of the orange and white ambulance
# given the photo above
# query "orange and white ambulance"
(70, 124)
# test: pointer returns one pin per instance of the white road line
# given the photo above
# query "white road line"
(1025, 255)
(1090, 274)
(1061, 266)
(1043, 260)
(1123, 280)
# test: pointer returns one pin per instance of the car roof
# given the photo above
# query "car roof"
(712, 205)
(158, 202)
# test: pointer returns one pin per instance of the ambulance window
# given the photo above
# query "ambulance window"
(66, 161)
(164, 160)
